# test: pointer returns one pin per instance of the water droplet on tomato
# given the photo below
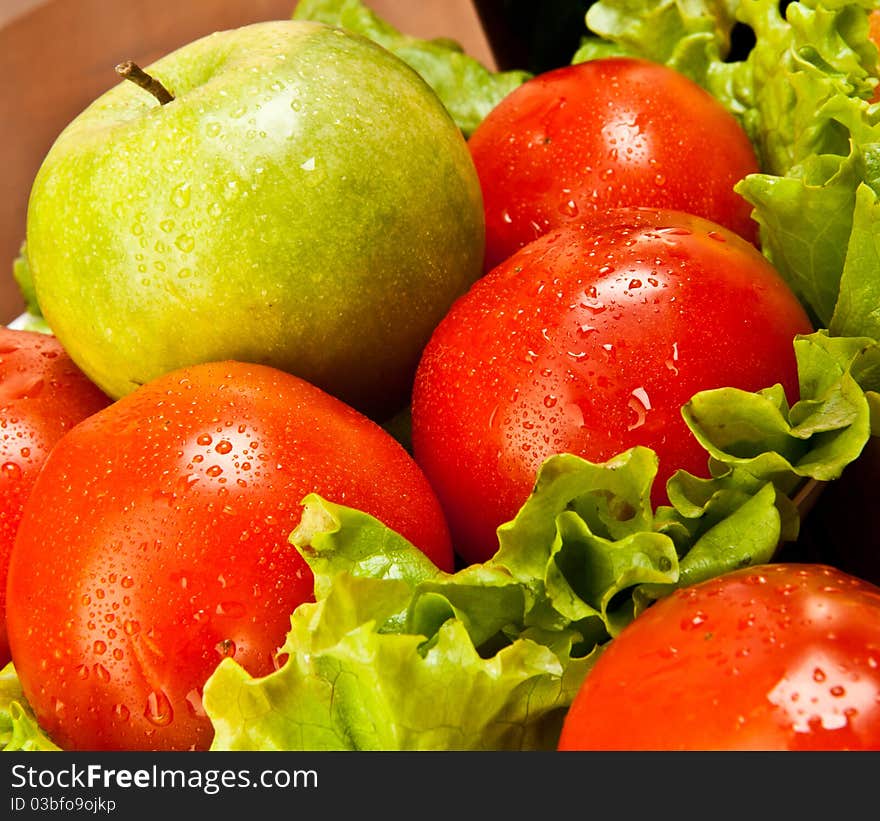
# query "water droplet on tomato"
(585, 330)
(101, 673)
(158, 709)
(574, 414)
(593, 304)
(224, 446)
(99, 647)
(640, 404)
(11, 471)
(716, 236)
(194, 703)
(569, 208)
(121, 712)
(225, 648)
(233, 609)
(694, 621)
(21, 386)
(492, 415)
(670, 363)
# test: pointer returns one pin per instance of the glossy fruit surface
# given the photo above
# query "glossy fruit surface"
(589, 340)
(580, 139)
(155, 543)
(305, 201)
(778, 657)
(42, 395)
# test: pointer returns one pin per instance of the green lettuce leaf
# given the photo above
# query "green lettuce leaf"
(31, 319)
(467, 88)
(857, 310)
(396, 655)
(19, 730)
(21, 273)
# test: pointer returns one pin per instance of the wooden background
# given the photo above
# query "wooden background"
(56, 57)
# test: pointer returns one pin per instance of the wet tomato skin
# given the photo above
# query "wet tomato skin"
(776, 657)
(605, 133)
(589, 340)
(155, 543)
(42, 395)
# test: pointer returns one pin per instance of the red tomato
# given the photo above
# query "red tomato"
(588, 341)
(580, 139)
(155, 543)
(42, 395)
(779, 657)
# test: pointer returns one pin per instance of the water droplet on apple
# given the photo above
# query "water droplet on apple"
(230, 191)
(185, 243)
(180, 196)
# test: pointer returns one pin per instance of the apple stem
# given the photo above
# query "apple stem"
(132, 71)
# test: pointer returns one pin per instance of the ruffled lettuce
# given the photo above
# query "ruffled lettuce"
(19, 730)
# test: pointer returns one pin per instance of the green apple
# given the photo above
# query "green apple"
(303, 201)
